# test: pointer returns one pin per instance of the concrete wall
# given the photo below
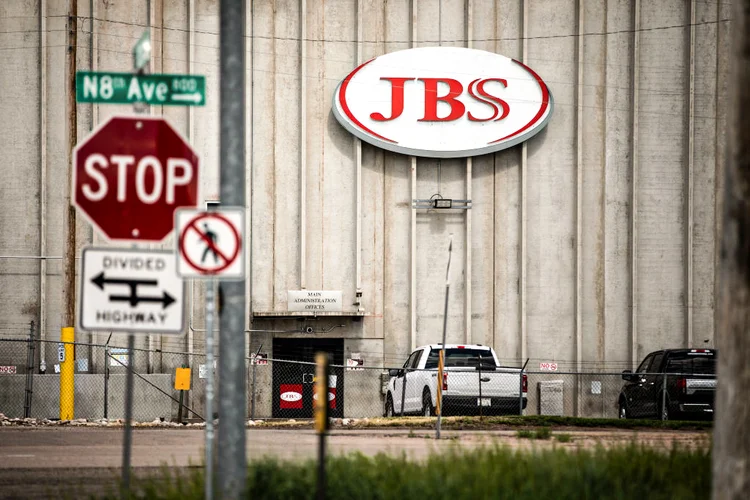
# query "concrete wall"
(590, 245)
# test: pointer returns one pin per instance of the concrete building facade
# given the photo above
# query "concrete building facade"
(589, 245)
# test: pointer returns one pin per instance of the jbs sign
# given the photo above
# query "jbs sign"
(443, 102)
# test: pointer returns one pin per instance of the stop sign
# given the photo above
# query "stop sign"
(131, 174)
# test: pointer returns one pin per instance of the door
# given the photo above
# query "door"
(400, 403)
(635, 392)
(294, 376)
(414, 383)
(653, 381)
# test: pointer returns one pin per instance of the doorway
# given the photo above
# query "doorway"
(294, 376)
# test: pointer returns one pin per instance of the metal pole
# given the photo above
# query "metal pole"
(664, 395)
(232, 344)
(252, 401)
(69, 213)
(128, 420)
(403, 393)
(210, 306)
(441, 361)
(29, 373)
(480, 387)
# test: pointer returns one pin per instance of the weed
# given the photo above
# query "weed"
(563, 438)
(525, 434)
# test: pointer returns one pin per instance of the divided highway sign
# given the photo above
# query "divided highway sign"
(130, 290)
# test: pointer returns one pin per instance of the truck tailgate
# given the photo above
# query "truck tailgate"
(501, 382)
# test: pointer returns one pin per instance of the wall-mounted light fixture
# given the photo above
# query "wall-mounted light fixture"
(437, 201)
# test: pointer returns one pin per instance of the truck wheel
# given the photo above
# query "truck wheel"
(427, 409)
(623, 413)
(389, 406)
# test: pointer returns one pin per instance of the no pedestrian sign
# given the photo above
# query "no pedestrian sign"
(211, 243)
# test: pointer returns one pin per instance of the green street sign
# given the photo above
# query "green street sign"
(128, 88)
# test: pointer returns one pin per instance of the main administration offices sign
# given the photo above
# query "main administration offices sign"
(443, 102)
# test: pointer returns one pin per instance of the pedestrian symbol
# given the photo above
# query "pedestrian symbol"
(211, 240)
(210, 244)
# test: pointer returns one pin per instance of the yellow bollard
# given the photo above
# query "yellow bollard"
(67, 374)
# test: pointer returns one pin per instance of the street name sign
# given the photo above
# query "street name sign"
(210, 244)
(131, 290)
(131, 174)
(128, 88)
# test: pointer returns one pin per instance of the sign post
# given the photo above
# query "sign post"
(320, 405)
(210, 246)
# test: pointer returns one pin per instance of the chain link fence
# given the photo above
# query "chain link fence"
(285, 389)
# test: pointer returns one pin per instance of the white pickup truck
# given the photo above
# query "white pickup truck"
(473, 383)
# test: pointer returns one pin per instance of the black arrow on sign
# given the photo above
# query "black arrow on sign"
(134, 300)
(100, 280)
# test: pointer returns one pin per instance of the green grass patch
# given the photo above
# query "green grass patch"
(563, 438)
(632, 471)
(542, 433)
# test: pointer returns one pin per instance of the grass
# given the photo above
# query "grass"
(563, 438)
(542, 433)
(632, 471)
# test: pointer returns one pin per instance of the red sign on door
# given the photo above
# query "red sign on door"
(290, 396)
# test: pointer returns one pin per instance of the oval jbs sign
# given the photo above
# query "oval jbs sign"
(443, 102)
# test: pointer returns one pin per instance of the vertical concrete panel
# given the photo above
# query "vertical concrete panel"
(372, 43)
(264, 184)
(617, 183)
(484, 19)
(396, 214)
(704, 180)
(507, 215)
(206, 63)
(446, 177)
(551, 187)
(173, 54)
(336, 235)
(287, 114)
(662, 139)
(57, 161)
(592, 155)
(19, 142)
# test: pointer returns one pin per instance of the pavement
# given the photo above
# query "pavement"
(55, 462)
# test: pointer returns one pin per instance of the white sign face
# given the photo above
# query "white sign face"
(61, 353)
(130, 290)
(118, 357)
(443, 102)
(211, 244)
(314, 301)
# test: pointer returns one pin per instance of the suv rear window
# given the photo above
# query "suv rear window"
(461, 357)
(692, 364)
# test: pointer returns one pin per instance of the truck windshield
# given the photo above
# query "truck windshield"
(692, 364)
(461, 357)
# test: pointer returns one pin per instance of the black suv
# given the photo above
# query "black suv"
(671, 384)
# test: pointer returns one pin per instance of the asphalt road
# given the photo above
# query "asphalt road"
(55, 462)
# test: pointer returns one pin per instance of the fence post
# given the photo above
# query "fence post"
(520, 388)
(106, 376)
(254, 361)
(29, 373)
(403, 393)
(664, 396)
(481, 403)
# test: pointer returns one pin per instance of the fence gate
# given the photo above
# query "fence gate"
(293, 382)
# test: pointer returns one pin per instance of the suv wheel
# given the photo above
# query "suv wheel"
(623, 413)
(665, 414)
(389, 406)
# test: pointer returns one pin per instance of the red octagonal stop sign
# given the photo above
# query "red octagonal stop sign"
(131, 174)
